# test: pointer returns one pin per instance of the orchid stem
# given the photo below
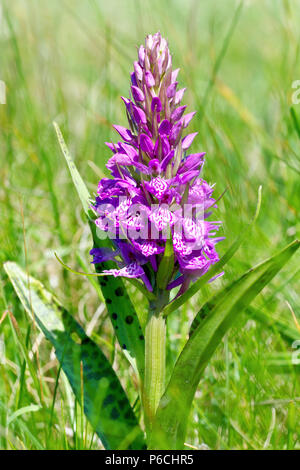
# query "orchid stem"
(155, 363)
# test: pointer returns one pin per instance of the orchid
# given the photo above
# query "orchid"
(156, 190)
(156, 193)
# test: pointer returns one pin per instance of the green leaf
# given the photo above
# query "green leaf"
(216, 268)
(105, 402)
(77, 180)
(172, 415)
(120, 308)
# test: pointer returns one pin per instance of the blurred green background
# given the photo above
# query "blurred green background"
(69, 61)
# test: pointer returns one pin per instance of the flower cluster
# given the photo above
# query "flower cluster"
(156, 190)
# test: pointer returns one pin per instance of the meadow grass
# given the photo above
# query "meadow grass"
(69, 61)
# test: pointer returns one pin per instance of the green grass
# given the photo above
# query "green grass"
(69, 61)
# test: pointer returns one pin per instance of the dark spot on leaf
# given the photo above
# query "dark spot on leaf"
(105, 278)
(124, 346)
(119, 291)
(114, 316)
(93, 376)
(84, 355)
(108, 400)
(114, 413)
(129, 319)
(123, 403)
(142, 337)
(109, 301)
(128, 414)
(85, 340)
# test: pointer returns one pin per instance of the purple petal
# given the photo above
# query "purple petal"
(187, 176)
(175, 133)
(177, 113)
(147, 283)
(171, 90)
(127, 102)
(133, 79)
(177, 282)
(156, 103)
(158, 186)
(154, 164)
(187, 119)
(138, 71)
(188, 140)
(216, 276)
(139, 115)
(197, 263)
(165, 127)
(137, 94)
(138, 218)
(146, 144)
(165, 146)
(141, 55)
(153, 262)
(200, 192)
(194, 232)
(148, 247)
(124, 133)
(129, 150)
(118, 159)
(132, 270)
(174, 75)
(149, 79)
(179, 95)
(162, 218)
(113, 187)
(111, 146)
(142, 168)
(167, 159)
(180, 245)
(192, 161)
(101, 255)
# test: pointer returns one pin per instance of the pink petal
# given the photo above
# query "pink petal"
(188, 140)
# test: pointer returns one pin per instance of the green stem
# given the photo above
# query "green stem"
(155, 366)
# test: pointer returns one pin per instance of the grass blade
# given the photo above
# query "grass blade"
(288, 333)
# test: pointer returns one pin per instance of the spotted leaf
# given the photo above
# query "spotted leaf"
(105, 402)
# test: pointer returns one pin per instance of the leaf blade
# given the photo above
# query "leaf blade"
(105, 403)
(79, 184)
(174, 407)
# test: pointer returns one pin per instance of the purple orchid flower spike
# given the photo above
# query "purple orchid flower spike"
(153, 181)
